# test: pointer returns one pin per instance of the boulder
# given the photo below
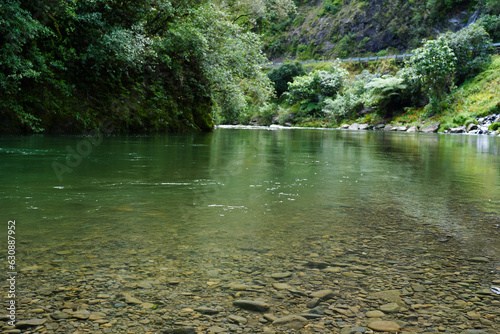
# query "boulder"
(433, 128)
(459, 129)
(471, 127)
(354, 126)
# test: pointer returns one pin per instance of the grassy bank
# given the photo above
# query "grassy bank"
(477, 97)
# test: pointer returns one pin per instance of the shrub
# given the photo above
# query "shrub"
(342, 106)
(494, 126)
(472, 47)
(385, 94)
(434, 66)
(491, 23)
(470, 121)
(317, 85)
(459, 119)
(332, 6)
(346, 45)
(267, 113)
(284, 74)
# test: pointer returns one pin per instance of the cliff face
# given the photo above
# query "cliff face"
(330, 29)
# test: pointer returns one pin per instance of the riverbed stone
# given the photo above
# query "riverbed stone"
(389, 295)
(282, 286)
(375, 314)
(30, 323)
(412, 129)
(206, 310)
(60, 315)
(130, 299)
(390, 308)
(384, 326)
(253, 305)
(238, 286)
(281, 275)
(323, 294)
(352, 330)
(238, 319)
(479, 259)
(82, 314)
(291, 322)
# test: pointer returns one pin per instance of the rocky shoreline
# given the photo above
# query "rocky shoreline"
(482, 127)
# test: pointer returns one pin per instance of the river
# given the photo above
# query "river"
(187, 215)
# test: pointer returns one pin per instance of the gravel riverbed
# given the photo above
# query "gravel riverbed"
(390, 281)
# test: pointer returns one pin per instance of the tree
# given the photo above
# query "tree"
(310, 90)
(252, 10)
(472, 48)
(434, 66)
(145, 66)
(284, 74)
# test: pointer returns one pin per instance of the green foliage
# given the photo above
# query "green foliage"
(470, 121)
(434, 67)
(332, 7)
(342, 106)
(491, 23)
(437, 7)
(284, 74)
(346, 45)
(494, 126)
(472, 47)
(144, 66)
(385, 94)
(317, 85)
(310, 90)
(490, 6)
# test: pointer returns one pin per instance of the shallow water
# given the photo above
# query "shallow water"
(216, 200)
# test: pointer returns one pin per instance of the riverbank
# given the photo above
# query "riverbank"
(488, 125)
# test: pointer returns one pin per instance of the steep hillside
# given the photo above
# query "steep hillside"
(345, 28)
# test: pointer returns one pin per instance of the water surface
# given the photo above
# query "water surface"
(202, 197)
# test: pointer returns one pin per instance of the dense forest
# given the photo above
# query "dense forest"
(67, 66)
(143, 66)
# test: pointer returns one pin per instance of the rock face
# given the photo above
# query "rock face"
(369, 23)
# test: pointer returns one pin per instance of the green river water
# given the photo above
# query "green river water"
(211, 200)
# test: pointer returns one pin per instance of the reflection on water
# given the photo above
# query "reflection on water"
(264, 190)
